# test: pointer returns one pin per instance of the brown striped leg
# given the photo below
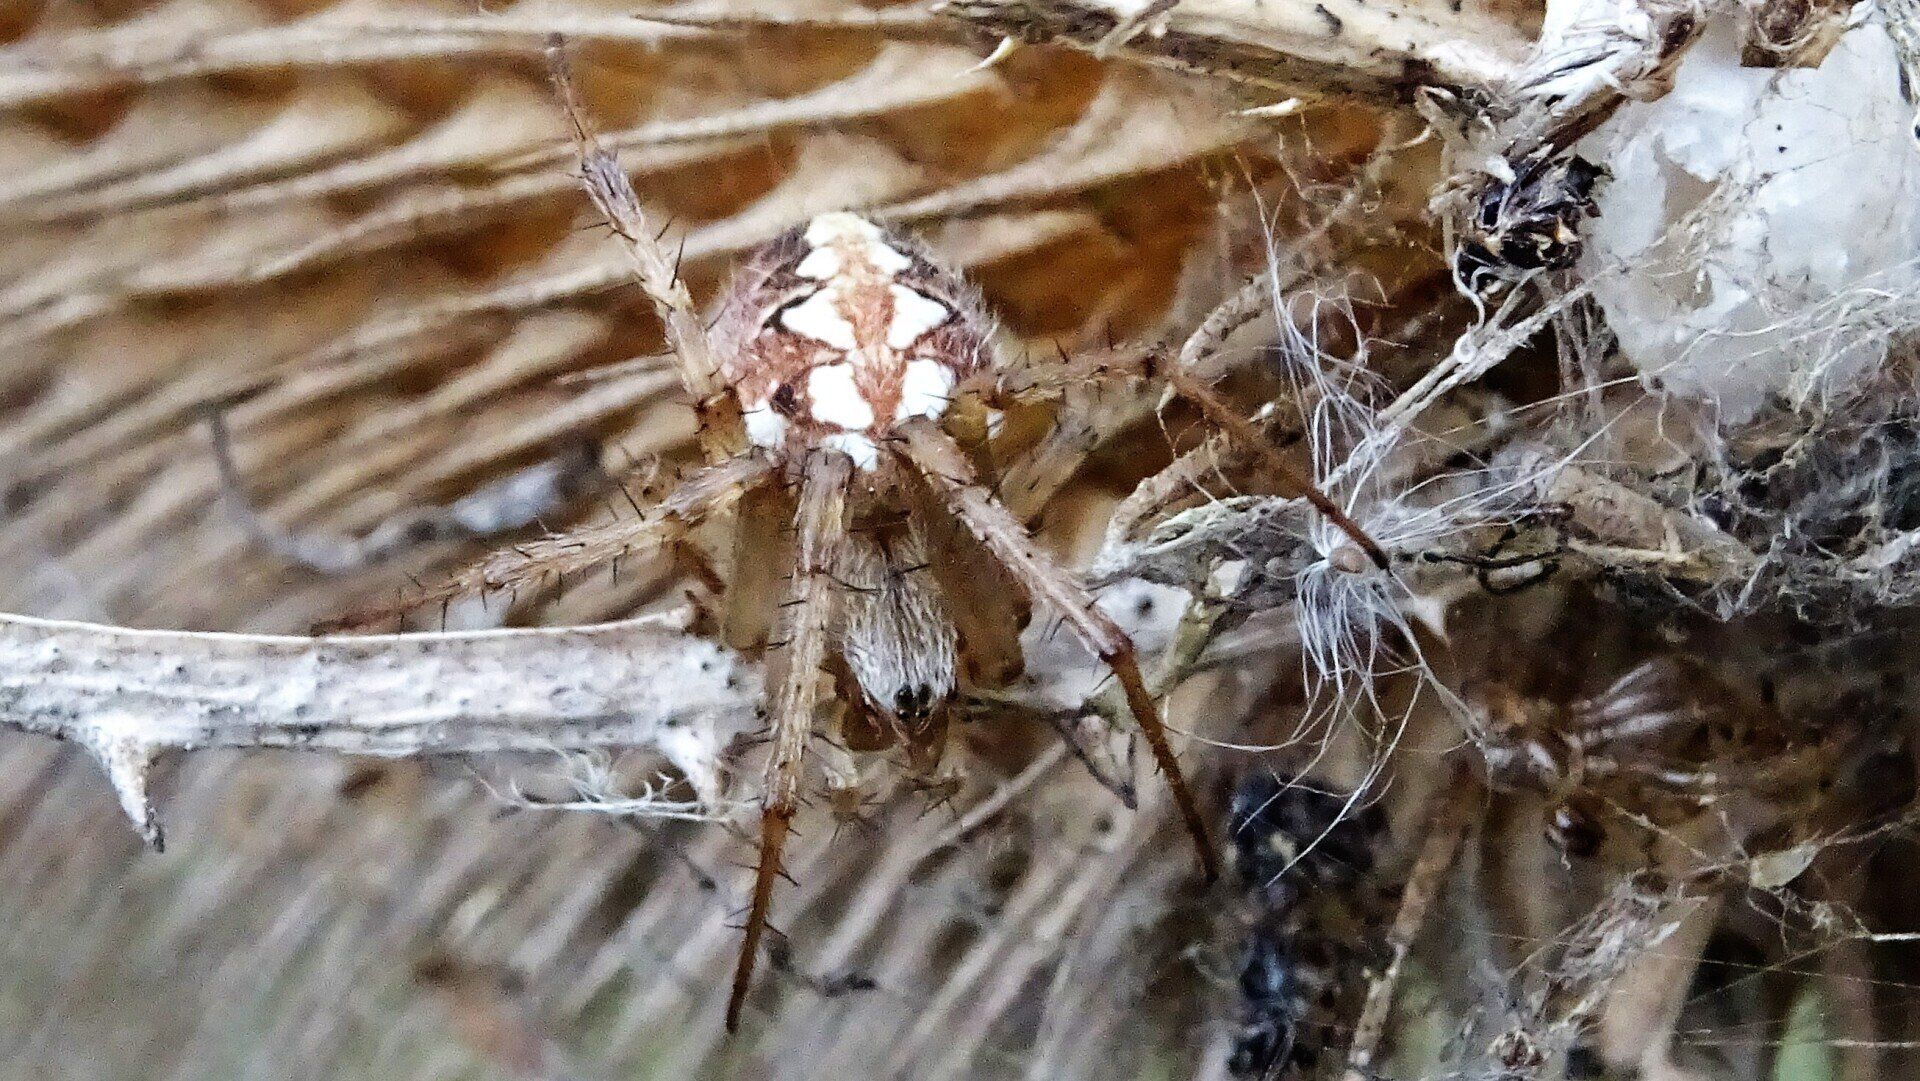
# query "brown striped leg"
(941, 461)
(822, 529)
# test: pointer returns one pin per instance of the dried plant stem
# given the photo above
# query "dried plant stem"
(1154, 494)
(128, 696)
(1622, 527)
(1252, 300)
(1473, 355)
(39, 71)
(1599, 61)
(1348, 48)
(1448, 824)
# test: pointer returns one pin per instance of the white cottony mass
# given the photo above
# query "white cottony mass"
(1755, 218)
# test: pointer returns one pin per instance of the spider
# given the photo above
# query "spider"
(841, 364)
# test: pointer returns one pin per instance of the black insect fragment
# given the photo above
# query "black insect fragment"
(1528, 224)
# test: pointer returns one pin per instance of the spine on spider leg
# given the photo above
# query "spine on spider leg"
(1126, 669)
(658, 273)
(822, 529)
(946, 468)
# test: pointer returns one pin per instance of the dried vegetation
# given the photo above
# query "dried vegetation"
(1610, 775)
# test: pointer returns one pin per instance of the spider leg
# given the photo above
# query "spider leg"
(944, 465)
(1084, 423)
(822, 529)
(1180, 377)
(708, 490)
(756, 582)
(656, 269)
(1053, 375)
(986, 605)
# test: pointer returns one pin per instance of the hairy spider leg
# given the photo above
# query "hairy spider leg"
(935, 455)
(707, 491)
(607, 184)
(822, 530)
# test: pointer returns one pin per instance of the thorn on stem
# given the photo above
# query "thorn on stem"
(127, 762)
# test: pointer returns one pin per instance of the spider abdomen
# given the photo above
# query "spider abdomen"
(835, 333)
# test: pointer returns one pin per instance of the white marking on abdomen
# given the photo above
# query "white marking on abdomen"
(819, 318)
(765, 428)
(858, 234)
(925, 390)
(885, 258)
(856, 446)
(914, 313)
(837, 400)
(820, 264)
(840, 225)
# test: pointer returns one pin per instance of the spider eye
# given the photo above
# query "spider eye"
(913, 703)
